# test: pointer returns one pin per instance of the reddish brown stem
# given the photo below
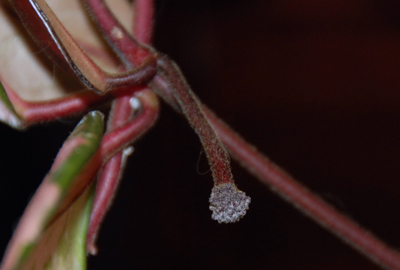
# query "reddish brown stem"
(119, 138)
(106, 186)
(303, 199)
(128, 49)
(190, 105)
(111, 173)
(36, 112)
(227, 203)
(55, 109)
(143, 23)
(113, 142)
(291, 191)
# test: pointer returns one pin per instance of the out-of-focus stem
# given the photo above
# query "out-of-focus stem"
(128, 49)
(143, 22)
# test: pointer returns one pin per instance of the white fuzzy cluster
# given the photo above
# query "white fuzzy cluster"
(135, 103)
(228, 203)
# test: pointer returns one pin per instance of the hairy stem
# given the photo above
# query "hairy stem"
(303, 199)
(216, 154)
(291, 190)
(122, 109)
(227, 202)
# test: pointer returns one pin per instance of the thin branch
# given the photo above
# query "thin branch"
(227, 202)
(131, 52)
(291, 190)
(121, 111)
(35, 112)
(190, 106)
(303, 199)
(123, 136)
(143, 22)
(106, 186)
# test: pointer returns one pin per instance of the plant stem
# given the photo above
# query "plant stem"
(121, 112)
(303, 199)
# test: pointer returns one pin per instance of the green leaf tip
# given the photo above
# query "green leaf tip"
(8, 115)
(78, 149)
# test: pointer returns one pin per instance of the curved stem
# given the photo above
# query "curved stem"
(191, 107)
(121, 137)
(32, 113)
(111, 173)
(36, 112)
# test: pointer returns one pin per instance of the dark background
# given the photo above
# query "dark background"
(314, 84)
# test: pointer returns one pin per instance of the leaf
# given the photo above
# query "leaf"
(25, 68)
(52, 230)
(63, 244)
(8, 115)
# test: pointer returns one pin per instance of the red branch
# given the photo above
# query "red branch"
(111, 173)
(303, 199)
(291, 190)
(122, 130)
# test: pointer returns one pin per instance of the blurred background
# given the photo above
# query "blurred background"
(313, 84)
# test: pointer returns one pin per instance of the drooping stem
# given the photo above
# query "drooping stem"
(114, 149)
(227, 202)
(122, 110)
(216, 153)
(291, 190)
(106, 186)
(303, 199)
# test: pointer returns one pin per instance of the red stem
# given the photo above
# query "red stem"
(111, 153)
(122, 136)
(128, 49)
(217, 156)
(143, 23)
(303, 199)
(109, 177)
(291, 191)
(35, 112)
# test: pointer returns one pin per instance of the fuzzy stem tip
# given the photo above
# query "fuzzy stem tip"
(228, 203)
